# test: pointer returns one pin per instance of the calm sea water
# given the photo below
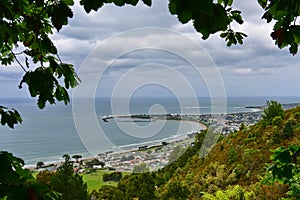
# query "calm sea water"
(46, 135)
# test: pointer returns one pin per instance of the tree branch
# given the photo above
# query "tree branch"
(19, 62)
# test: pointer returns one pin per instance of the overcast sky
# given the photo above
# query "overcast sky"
(257, 68)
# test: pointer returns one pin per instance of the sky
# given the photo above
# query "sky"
(116, 53)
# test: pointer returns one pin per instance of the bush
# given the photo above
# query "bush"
(277, 121)
(288, 130)
(276, 136)
(39, 164)
(70, 185)
(274, 109)
(233, 155)
(115, 176)
(108, 192)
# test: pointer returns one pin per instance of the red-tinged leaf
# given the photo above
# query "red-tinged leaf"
(276, 34)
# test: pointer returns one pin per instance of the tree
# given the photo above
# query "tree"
(175, 189)
(236, 192)
(27, 25)
(44, 177)
(93, 162)
(286, 169)
(233, 155)
(288, 129)
(274, 109)
(139, 186)
(140, 168)
(39, 164)
(70, 185)
(243, 127)
(18, 183)
(108, 192)
(76, 157)
(115, 176)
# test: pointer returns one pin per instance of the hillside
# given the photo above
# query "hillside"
(235, 167)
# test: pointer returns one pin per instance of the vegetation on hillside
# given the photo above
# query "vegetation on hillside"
(258, 162)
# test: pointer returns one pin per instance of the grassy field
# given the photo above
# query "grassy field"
(94, 180)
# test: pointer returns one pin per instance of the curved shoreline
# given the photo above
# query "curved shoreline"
(141, 117)
(135, 147)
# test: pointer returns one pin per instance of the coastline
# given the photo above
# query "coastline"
(59, 159)
(113, 160)
(132, 147)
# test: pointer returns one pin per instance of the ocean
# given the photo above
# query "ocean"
(46, 135)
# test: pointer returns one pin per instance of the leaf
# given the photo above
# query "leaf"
(26, 62)
(172, 7)
(229, 2)
(223, 35)
(295, 30)
(68, 2)
(263, 3)
(237, 16)
(47, 46)
(268, 16)
(119, 2)
(185, 16)
(147, 2)
(239, 38)
(132, 2)
(281, 155)
(293, 48)
(91, 5)
(59, 15)
(294, 149)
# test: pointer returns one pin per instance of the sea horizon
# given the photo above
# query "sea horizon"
(46, 135)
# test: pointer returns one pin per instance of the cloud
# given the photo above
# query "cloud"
(253, 64)
(253, 71)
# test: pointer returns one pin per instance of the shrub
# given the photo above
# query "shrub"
(288, 130)
(233, 155)
(273, 110)
(277, 121)
(276, 136)
(115, 176)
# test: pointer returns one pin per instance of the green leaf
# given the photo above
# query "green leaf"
(132, 2)
(47, 46)
(223, 35)
(147, 2)
(268, 16)
(185, 16)
(229, 2)
(263, 3)
(68, 2)
(237, 16)
(59, 15)
(225, 2)
(294, 149)
(119, 2)
(295, 30)
(172, 7)
(281, 155)
(293, 48)
(91, 5)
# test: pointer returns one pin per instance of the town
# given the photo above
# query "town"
(152, 158)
